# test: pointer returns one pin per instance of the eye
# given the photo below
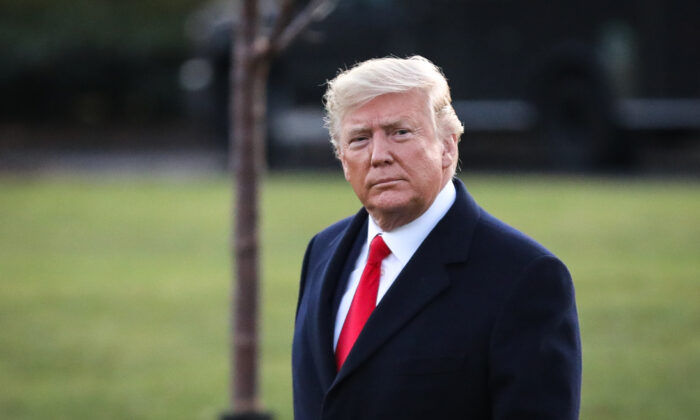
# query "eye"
(402, 132)
(357, 141)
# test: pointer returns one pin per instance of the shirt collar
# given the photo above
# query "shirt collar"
(405, 240)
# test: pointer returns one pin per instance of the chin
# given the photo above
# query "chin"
(393, 209)
(390, 201)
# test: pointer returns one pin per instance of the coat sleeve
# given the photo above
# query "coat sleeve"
(535, 348)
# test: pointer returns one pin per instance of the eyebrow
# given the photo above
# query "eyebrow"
(385, 125)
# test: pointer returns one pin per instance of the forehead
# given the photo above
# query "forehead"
(391, 108)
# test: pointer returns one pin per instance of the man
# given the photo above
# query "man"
(422, 305)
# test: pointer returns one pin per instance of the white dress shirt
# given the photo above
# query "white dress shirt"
(403, 243)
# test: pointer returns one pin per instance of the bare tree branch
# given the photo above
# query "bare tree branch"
(284, 16)
(300, 22)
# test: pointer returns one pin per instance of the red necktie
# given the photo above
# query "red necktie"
(364, 301)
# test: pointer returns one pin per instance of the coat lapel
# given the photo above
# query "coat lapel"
(423, 279)
(323, 320)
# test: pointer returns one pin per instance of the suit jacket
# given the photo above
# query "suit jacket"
(480, 324)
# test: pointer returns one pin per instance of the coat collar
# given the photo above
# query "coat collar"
(422, 279)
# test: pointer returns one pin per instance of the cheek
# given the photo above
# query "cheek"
(355, 165)
(344, 164)
(428, 160)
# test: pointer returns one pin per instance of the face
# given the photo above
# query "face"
(392, 156)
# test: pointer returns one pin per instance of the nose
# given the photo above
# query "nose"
(381, 150)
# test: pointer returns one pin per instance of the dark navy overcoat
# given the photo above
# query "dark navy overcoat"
(480, 324)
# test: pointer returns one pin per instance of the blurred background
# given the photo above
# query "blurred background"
(582, 129)
(568, 85)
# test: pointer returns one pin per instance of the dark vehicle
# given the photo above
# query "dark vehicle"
(568, 84)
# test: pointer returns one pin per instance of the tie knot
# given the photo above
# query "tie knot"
(377, 250)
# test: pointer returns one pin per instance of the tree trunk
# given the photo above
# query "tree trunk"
(252, 54)
(249, 75)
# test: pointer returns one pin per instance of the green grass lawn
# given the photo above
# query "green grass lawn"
(114, 291)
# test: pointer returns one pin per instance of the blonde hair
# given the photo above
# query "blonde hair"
(369, 79)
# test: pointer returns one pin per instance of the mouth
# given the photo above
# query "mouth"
(384, 182)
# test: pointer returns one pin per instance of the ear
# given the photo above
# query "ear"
(449, 150)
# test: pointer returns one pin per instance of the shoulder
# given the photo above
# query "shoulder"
(494, 237)
(329, 237)
(325, 242)
(524, 271)
(334, 231)
(488, 239)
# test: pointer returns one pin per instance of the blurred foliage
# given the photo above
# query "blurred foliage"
(91, 61)
(37, 30)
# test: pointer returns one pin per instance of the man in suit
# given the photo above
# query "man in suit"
(422, 305)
